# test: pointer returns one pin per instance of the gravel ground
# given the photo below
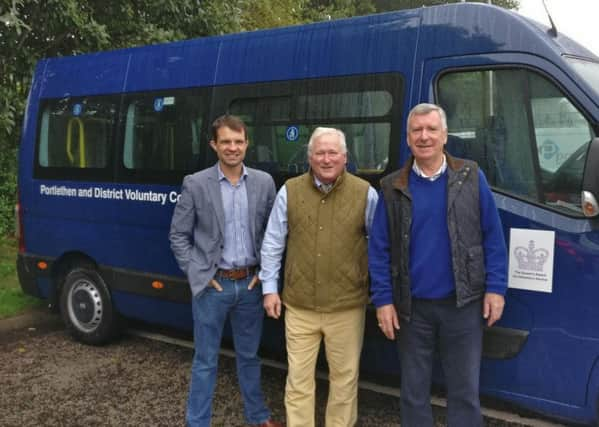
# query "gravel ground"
(47, 379)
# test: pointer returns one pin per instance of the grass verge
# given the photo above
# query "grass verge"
(12, 299)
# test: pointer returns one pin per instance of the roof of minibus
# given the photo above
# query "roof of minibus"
(356, 45)
(468, 27)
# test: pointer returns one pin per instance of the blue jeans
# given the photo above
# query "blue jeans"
(458, 334)
(210, 309)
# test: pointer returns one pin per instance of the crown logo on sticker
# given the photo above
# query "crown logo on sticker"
(531, 258)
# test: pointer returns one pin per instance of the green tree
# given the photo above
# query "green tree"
(317, 10)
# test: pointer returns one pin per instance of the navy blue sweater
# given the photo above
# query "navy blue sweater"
(431, 272)
(430, 251)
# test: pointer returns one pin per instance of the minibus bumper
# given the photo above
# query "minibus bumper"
(27, 276)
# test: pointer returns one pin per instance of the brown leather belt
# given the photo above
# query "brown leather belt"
(237, 273)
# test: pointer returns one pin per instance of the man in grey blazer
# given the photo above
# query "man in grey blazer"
(216, 235)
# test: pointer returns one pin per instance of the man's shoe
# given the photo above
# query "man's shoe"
(269, 423)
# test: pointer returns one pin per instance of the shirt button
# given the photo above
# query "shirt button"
(322, 201)
(320, 228)
(317, 255)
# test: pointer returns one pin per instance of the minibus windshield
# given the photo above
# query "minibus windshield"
(588, 70)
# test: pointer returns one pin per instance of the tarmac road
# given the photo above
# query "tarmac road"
(47, 379)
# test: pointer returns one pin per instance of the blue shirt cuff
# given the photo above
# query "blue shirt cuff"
(269, 287)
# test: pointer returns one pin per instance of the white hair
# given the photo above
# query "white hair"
(318, 132)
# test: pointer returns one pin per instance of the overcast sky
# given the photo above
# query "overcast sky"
(579, 19)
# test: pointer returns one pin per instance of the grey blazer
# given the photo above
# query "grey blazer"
(197, 226)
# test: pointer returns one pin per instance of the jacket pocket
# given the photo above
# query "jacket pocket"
(475, 265)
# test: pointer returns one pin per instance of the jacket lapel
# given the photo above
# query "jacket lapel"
(217, 200)
(251, 190)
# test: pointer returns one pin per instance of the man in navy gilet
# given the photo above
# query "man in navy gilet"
(437, 261)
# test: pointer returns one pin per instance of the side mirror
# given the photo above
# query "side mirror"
(590, 181)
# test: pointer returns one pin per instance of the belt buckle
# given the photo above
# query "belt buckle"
(238, 274)
(235, 273)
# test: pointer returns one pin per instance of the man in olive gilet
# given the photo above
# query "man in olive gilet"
(322, 218)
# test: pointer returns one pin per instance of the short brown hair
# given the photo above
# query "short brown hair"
(230, 121)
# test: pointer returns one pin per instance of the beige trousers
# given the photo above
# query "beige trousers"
(343, 333)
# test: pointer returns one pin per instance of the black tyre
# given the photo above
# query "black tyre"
(86, 307)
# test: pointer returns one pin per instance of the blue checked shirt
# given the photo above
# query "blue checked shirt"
(238, 248)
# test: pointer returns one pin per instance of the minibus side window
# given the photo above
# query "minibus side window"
(279, 126)
(525, 134)
(162, 132)
(76, 133)
(562, 136)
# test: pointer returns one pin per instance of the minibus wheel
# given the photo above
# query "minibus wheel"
(86, 307)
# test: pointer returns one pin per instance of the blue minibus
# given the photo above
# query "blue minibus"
(108, 137)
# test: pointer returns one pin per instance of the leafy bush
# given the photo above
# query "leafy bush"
(8, 186)
(12, 299)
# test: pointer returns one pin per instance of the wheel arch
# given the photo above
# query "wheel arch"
(62, 266)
